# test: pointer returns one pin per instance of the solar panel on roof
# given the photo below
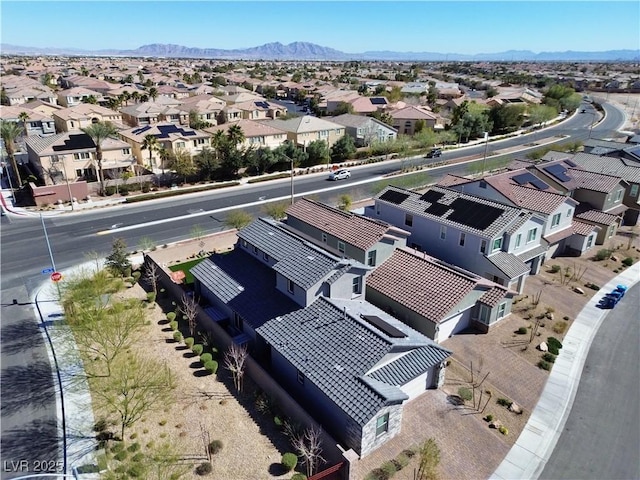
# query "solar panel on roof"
(140, 130)
(437, 209)
(378, 101)
(529, 177)
(431, 196)
(570, 163)
(393, 196)
(75, 142)
(473, 214)
(557, 171)
(387, 328)
(634, 151)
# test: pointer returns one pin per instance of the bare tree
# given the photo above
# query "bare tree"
(308, 444)
(137, 386)
(189, 309)
(429, 460)
(234, 360)
(151, 276)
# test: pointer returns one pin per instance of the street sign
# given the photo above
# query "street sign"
(47, 270)
(56, 276)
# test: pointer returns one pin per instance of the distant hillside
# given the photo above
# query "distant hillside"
(311, 51)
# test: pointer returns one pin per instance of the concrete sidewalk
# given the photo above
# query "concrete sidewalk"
(528, 457)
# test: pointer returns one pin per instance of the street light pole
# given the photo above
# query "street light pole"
(46, 237)
(66, 178)
(593, 120)
(486, 146)
(291, 180)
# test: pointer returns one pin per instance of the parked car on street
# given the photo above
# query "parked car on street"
(340, 174)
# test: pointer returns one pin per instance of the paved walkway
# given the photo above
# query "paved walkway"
(528, 457)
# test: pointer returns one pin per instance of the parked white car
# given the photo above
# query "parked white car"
(340, 174)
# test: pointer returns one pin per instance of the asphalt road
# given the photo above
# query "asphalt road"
(601, 439)
(72, 237)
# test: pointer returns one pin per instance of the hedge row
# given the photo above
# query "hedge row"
(173, 193)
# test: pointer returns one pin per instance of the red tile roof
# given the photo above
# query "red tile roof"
(584, 229)
(538, 200)
(361, 232)
(598, 182)
(596, 216)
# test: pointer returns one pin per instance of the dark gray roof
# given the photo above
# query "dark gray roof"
(297, 260)
(628, 170)
(246, 285)
(335, 349)
(411, 365)
(508, 264)
(414, 204)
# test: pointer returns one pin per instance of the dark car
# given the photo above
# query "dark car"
(436, 152)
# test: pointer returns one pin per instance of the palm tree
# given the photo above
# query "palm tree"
(24, 116)
(9, 131)
(99, 132)
(153, 93)
(135, 96)
(150, 143)
(165, 156)
(236, 135)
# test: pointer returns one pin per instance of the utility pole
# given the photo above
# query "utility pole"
(291, 180)
(486, 146)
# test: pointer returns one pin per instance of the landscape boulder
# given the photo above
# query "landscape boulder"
(543, 347)
(515, 408)
(578, 290)
(495, 424)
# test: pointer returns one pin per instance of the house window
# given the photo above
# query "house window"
(244, 243)
(356, 285)
(377, 209)
(634, 190)
(382, 424)
(497, 244)
(443, 232)
(300, 377)
(501, 309)
(531, 235)
(290, 285)
(255, 250)
(408, 220)
(237, 321)
(463, 237)
(324, 238)
(78, 172)
(265, 255)
(612, 229)
(81, 156)
(371, 258)
(484, 315)
(589, 241)
(569, 212)
(179, 144)
(341, 247)
(126, 151)
(618, 196)
(482, 184)
(555, 221)
(483, 246)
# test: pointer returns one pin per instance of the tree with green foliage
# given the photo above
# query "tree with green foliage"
(238, 219)
(153, 93)
(276, 210)
(342, 108)
(182, 164)
(507, 118)
(261, 160)
(99, 132)
(561, 97)
(9, 132)
(118, 260)
(207, 163)
(394, 95)
(288, 151)
(345, 202)
(343, 149)
(318, 153)
(429, 458)
(151, 143)
(539, 114)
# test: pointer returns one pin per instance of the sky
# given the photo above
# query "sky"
(353, 27)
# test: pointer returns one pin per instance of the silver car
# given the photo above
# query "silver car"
(340, 174)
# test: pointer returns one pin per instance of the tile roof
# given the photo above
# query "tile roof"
(493, 296)
(534, 252)
(246, 285)
(628, 170)
(298, 260)
(598, 182)
(414, 204)
(540, 201)
(412, 113)
(305, 124)
(450, 180)
(357, 230)
(335, 349)
(410, 365)
(597, 216)
(553, 237)
(249, 128)
(423, 284)
(582, 228)
(508, 264)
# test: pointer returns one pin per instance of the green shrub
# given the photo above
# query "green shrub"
(603, 254)
(205, 357)
(549, 357)
(544, 365)
(117, 447)
(378, 474)
(289, 461)
(505, 402)
(151, 297)
(171, 316)
(553, 350)
(555, 342)
(402, 461)
(189, 342)
(138, 457)
(278, 421)
(121, 455)
(173, 193)
(134, 447)
(555, 268)
(211, 366)
(197, 349)
(503, 430)
(592, 286)
(299, 476)
(389, 468)
(410, 453)
(489, 418)
(173, 325)
(559, 327)
(177, 336)
(136, 275)
(465, 394)
(522, 331)
(136, 470)
(101, 425)
(215, 446)
(204, 468)
(627, 261)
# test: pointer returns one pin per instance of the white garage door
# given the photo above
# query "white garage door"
(418, 385)
(453, 326)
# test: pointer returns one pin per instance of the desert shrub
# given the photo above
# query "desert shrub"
(503, 430)
(173, 325)
(555, 268)
(215, 446)
(136, 275)
(151, 297)
(559, 327)
(389, 468)
(289, 461)
(299, 476)
(177, 336)
(603, 254)
(121, 455)
(134, 447)
(189, 341)
(377, 474)
(465, 394)
(101, 425)
(211, 366)
(138, 457)
(171, 316)
(592, 286)
(204, 468)
(555, 342)
(117, 447)
(627, 261)
(162, 423)
(522, 331)
(402, 461)
(505, 402)
(136, 470)
(489, 418)
(549, 357)
(544, 365)
(205, 357)
(409, 452)
(197, 349)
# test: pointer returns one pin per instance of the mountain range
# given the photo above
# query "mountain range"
(312, 51)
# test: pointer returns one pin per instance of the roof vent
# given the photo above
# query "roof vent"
(339, 367)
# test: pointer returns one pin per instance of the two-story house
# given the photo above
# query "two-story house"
(260, 110)
(77, 95)
(256, 134)
(346, 234)
(435, 298)
(163, 109)
(496, 241)
(365, 130)
(80, 116)
(304, 130)
(36, 123)
(405, 120)
(206, 108)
